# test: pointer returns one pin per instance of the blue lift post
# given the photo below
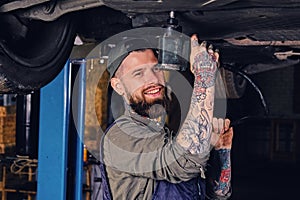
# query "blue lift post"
(79, 93)
(53, 136)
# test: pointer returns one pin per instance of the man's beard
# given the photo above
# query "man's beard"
(153, 109)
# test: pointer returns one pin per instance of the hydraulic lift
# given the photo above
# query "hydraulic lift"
(60, 151)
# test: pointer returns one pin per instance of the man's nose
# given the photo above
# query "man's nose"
(152, 77)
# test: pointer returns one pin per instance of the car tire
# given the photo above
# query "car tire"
(235, 84)
(230, 85)
(33, 52)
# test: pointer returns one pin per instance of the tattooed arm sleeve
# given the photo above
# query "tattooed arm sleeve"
(195, 132)
(218, 184)
(222, 187)
(219, 166)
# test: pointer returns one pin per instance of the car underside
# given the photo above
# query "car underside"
(37, 37)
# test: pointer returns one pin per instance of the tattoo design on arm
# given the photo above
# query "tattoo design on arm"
(223, 184)
(205, 69)
(198, 142)
(195, 133)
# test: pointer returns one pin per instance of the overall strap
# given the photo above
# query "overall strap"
(193, 189)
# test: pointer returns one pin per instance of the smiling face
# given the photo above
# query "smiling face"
(140, 82)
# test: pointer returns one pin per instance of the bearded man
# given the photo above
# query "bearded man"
(142, 159)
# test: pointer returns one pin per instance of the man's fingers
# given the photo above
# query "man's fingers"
(223, 141)
(221, 125)
(216, 55)
(194, 47)
(215, 125)
(202, 56)
(230, 132)
(210, 49)
(213, 53)
(203, 44)
(194, 41)
(194, 37)
(227, 138)
(228, 135)
(226, 124)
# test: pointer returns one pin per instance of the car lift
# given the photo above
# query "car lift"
(53, 181)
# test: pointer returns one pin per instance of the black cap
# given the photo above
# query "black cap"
(118, 53)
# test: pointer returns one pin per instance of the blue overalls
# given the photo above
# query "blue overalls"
(193, 189)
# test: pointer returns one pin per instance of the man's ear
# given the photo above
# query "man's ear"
(117, 86)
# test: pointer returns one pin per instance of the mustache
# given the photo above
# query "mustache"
(162, 87)
(152, 109)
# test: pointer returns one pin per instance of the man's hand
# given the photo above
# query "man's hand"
(204, 65)
(222, 134)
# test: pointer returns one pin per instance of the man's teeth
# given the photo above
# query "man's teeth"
(152, 91)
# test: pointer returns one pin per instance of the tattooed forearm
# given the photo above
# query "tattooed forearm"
(195, 132)
(223, 184)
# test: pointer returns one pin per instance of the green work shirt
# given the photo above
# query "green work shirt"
(139, 151)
